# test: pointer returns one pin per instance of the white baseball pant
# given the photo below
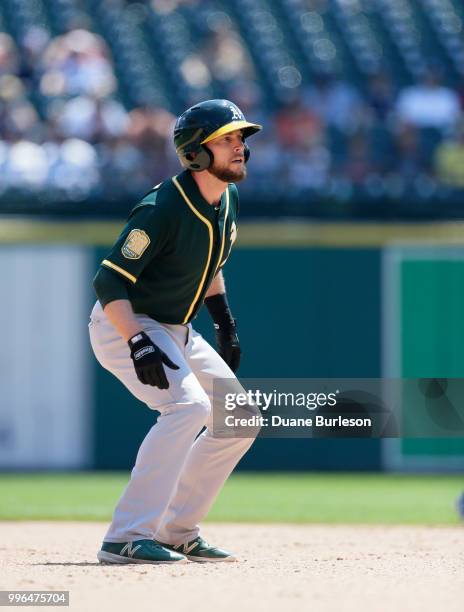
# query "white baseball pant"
(176, 478)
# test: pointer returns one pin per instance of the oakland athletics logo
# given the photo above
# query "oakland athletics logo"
(236, 114)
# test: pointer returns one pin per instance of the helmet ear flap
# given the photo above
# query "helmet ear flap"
(204, 158)
(198, 161)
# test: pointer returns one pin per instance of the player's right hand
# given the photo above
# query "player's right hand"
(148, 361)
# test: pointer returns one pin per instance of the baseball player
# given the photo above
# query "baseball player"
(165, 264)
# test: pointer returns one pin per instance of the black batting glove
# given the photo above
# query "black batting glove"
(227, 342)
(148, 361)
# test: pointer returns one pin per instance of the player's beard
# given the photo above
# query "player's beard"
(228, 174)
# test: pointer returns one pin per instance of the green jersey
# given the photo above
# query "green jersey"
(170, 250)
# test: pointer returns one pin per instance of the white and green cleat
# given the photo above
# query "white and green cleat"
(200, 551)
(139, 551)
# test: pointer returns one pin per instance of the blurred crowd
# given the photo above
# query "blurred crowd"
(65, 134)
(63, 131)
(333, 137)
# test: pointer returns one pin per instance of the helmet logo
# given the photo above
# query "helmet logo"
(236, 114)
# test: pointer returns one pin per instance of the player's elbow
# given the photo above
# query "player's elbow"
(99, 283)
(109, 286)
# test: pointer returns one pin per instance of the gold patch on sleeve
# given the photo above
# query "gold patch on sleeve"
(135, 244)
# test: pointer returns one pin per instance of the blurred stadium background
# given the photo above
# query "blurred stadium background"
(362, 101)
(351, 250)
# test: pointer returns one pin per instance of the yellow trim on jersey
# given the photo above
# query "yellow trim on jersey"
(230, 127)
(223, 231)
(210, 232)
(113, 266)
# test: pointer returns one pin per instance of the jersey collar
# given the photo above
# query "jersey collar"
(190, 187)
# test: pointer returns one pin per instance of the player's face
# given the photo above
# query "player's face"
(229, 157)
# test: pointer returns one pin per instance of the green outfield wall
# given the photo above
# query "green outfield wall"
(302, 313)
(423, 337)
(312, 300)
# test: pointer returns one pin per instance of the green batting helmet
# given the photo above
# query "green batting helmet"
(203, 122)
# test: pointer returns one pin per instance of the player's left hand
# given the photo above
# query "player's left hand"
(228, 344)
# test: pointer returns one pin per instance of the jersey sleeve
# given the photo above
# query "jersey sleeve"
(109, 286)
(141, 240)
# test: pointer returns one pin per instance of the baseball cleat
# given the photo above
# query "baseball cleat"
(199, 550)
(140, 551)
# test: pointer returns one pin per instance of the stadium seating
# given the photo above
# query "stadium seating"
(110, 58)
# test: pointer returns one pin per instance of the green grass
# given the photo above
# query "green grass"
(278, 497)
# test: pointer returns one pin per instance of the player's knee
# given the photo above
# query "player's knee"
(201, 408)
(253, 426)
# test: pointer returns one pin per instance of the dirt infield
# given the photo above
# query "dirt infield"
(321, 568)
